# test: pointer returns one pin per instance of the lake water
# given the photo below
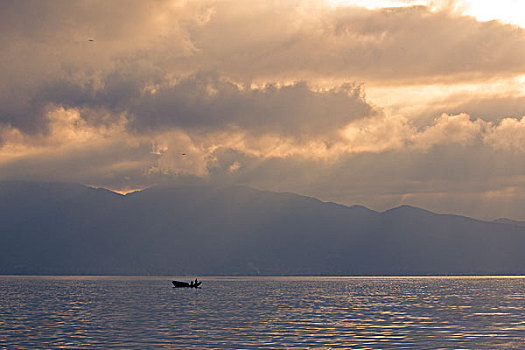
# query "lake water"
(262, 313)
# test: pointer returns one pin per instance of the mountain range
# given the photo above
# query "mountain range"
(62, 228)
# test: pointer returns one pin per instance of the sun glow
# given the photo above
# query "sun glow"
(507, 11)
(375, 4)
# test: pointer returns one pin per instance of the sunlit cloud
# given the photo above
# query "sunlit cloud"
(507, 11)
(419, 100)
(379, 4)
(507, 134)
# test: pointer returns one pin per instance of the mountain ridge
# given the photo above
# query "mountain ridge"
(509, 221)
(55, 228)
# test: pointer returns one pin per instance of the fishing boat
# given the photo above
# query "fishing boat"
(178, 284)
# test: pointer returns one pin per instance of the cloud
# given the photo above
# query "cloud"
(270, 94)
(447, 129)
(507, 134)
(140, 45)
(490, 107)
(300, 38)
(380, 161)
(209, 103)
(73, 150)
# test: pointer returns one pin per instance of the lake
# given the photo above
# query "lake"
(262, 313)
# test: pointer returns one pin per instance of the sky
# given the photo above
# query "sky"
(379, 103)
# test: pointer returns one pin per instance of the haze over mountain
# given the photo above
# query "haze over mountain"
(58, 228)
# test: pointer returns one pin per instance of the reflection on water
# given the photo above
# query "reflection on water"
(255, 313)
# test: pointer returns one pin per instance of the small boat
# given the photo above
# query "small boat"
(178, 284)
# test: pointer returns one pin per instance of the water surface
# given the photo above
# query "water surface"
(263, 313)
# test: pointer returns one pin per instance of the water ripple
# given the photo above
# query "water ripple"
(266, 313)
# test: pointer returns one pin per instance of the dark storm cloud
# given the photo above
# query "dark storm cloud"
(207, 103)
(30, 116)
(202, 102)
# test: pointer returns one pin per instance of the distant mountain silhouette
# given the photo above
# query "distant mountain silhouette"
(510, 222)
(57, 228)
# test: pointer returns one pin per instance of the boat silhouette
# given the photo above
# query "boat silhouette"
(178, 284)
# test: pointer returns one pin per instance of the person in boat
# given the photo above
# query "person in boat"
(196, 283)
(191, 284)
